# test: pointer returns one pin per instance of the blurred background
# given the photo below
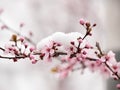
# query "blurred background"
(44, 17)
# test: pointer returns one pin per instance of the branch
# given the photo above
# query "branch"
(14, 57)
(114, 73)
(2, 49)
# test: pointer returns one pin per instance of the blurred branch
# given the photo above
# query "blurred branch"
(16, 32)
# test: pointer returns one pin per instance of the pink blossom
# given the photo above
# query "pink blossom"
(98, 63)
(82, 22)
(72, 60)
(48, 50)
(116, 67)
(80, 40)
(11, 49)
(92, 66)
(47, 57)
(105, 71)
(102, 59)
(80, 57)
(31, 57)
(110, 57)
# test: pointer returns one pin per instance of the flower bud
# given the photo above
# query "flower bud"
(21, 25)
(72, 42)
(82, 22)
(94, 24)
(118, 86)
(31, 49)
(21, 39)
(34, 61)
(14, 38)
(87, 24)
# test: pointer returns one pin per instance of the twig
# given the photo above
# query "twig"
(2, 49)
(14, 57)
(14, 31)
(114, 73)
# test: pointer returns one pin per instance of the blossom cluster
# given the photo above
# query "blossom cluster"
(73, 53)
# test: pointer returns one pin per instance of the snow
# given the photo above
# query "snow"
(61, 37)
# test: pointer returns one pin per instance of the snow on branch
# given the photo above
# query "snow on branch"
(72, 51)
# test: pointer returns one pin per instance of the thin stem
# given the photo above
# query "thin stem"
(56, 54)
(78, 47)
(85, 36)
(114, 73)
(91, 59)
(99, 48)
(14, 57)
(2, 49)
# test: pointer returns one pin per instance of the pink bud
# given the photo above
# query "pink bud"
(84, 52)
(82, 22)
(107, 57)
(114, 77)
(80, 40)
(115, 67)
(118, 86)
(26, 45)
(71, 48)
(4, 27)
(87, 46)
(31, 33)
(90, 34)
(1, 11)
(31, 49)
(94, 24)
(59, 44)
(34, 61)
(73, 43)
(15, 60)
(21, 39)
(88, 24)
(83, 57)
(22, 24)
(31, 57)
